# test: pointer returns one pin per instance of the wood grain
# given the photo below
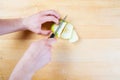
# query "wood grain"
(96, 56)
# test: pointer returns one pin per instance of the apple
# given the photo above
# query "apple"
(67, 31)
(55, 26)
(74, 37)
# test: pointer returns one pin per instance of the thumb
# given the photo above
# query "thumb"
(51, 41)
(45, 32)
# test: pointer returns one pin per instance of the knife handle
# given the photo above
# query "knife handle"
(52, 35)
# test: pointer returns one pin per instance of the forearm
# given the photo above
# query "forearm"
(20, 75)
(22, 70)
(10, 25)
(36, 57)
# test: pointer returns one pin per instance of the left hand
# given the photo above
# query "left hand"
(34, 22)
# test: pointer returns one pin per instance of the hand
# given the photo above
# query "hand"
(37, 56)
(34, 22)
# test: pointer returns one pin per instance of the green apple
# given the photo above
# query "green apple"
(55, 26)
(74, 37)
(67, 32)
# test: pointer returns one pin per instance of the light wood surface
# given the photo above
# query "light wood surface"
(96, 56)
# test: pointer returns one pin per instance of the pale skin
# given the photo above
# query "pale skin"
(39, 52)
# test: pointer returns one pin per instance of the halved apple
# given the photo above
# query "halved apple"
(55, 26)
(67, 32)
(74, 37)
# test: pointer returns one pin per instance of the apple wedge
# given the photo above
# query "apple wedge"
(74, 37)
(67, 32)
(55, 26)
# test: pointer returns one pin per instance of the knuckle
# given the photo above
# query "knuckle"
(38, 31)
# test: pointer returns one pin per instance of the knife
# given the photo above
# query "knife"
(60, 24)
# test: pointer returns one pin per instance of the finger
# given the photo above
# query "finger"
(49, 19)
(50, 12)
(45, 32)
(51, 41)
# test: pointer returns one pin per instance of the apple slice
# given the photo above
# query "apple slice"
(67, 32)
(74, 37)
(55, 26)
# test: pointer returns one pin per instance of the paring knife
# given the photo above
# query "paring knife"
(60, 24)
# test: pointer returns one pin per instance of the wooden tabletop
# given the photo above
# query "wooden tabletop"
(96, 56)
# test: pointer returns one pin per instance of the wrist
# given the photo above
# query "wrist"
(22, 26)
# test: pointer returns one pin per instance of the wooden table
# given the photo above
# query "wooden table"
(96, 56)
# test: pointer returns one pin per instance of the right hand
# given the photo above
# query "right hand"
(36, 56)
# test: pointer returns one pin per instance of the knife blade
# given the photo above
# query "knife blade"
(60, 24)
